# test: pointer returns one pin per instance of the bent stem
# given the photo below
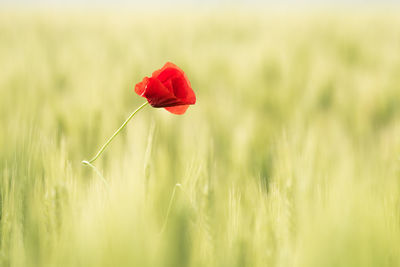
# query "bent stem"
(85, 162)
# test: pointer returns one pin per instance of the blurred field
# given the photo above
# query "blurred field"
(291, 156)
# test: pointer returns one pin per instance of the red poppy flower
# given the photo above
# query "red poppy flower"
(167, 88)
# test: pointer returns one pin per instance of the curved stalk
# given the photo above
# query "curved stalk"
(85, 162)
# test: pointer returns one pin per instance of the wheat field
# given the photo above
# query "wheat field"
(290, 157)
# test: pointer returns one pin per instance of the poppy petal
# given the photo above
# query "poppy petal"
(166, 65)
(178, 83)
(158, 95)
(168, 74)
(178, 110)
(140, 87)
(182, 90)
(167, 88)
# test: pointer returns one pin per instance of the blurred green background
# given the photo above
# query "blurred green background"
(290, 157)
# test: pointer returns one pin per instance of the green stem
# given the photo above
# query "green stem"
(97, 171)
(85, 162)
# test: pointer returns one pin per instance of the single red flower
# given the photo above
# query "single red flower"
(167, 88)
